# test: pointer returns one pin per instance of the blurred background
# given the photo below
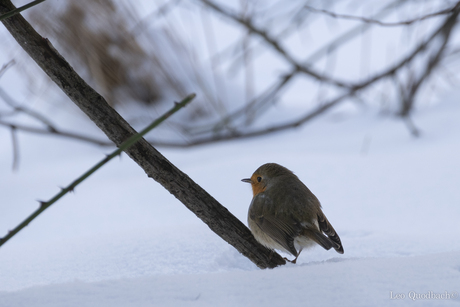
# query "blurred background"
(242, 58)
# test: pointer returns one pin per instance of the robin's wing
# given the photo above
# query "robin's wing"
(281, 232)
(281, 229)
(327, 228)
(319, 238)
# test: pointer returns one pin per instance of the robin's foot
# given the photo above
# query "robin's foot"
(291, 261)
(295, 259)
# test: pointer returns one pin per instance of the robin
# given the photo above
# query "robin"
(285, 215)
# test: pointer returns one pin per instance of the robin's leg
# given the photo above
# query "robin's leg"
(295, 259)
(291, 261)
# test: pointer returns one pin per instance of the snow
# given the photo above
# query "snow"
(122, 240)
(317, 284)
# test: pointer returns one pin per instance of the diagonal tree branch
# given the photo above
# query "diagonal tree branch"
(156, 166)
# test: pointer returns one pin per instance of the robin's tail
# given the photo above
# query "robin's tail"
(327, 228)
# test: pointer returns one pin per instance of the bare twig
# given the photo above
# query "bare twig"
(57, 132)
(6, 66)
(421, 47)
(269, 94)
(266, 97)
(124, 146)
(21, 109)
(445, 31)
(20, 9)
(381, 23)
(14, 141)
(247, 23)
(355, 88)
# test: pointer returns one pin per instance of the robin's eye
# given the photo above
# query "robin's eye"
(259, 179)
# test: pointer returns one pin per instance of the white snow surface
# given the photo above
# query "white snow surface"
(122, 240)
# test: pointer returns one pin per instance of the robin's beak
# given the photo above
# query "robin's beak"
(246, 180)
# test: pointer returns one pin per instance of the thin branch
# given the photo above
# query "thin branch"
(434, 60)
(264, 98)
(57, 132)
(381, 23)
(271, 91)
(14, 141)
(247, 23)
(6, 66)
(274, 128)
(353, 91)
(351, 34)
(18, 108)
(124, 146)
(421, 47)
(20, 9)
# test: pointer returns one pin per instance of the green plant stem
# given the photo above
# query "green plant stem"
(125, 145)
(20, 9)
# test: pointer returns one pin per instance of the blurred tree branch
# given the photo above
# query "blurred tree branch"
(381, 23)
(352, 88)
(258, 33)
(247, 23)
(156, 166)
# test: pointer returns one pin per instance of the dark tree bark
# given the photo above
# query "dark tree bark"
(209, 210)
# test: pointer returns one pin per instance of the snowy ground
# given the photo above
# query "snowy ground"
(122, 240)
